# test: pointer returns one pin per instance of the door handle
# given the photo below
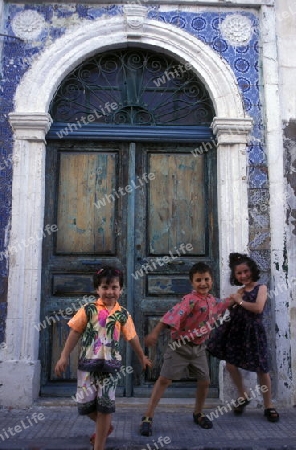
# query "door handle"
(90, 262)
(176, 263)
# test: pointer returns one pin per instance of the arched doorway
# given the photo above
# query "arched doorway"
(30, 122)
(130, 181)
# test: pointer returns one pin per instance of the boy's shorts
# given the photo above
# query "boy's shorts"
(186, 360)
(95, 392)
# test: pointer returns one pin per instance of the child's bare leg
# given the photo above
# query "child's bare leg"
(102, 427)
(158, 390)
(201, 395)
(269, 411)
(237, 378)
(200, 398)
(93, 416)
(264, 380)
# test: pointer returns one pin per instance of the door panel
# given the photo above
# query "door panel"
(176, 202)
(60, 331)
(175, 228)
(81, 184)
(82, 227)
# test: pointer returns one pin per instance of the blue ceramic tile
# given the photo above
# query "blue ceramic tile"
(259, 239)
(242, 65)
(256, 154)
(258, 177)
(198, 24)
(179, 21)
(262, 258)
(220, 45)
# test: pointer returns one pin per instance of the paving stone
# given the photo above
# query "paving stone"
(63, 429)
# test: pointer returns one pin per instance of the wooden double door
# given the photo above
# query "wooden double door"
(150, 210)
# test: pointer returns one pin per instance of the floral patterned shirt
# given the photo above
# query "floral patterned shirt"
(193, 318)
(101, 331)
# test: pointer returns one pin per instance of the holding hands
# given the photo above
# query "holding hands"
(237, 298)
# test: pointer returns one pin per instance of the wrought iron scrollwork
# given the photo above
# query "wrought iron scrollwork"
(133, 87)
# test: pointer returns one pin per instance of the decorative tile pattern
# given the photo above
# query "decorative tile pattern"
(259, 240)
(236, 29)
(258, 177)
(262, 258)
(27, 24)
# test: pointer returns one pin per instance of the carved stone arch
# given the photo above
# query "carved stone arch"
(41, 81)
(30, 122)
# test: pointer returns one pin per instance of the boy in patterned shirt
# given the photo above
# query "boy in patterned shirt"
(190, 322)
(100, 325)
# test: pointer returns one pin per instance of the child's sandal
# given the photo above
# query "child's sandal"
(146, 426)
(202, 420)
(92, 440)
(271, 414)
(241, 406)
(93, 436)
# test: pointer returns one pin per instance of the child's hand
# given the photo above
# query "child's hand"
(60, 366)
(146, 362)
(151, 340)
(237, 298)
(230, 300)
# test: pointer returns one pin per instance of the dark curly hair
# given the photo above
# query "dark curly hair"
(199, 267)
(235, 259)
(107, 273)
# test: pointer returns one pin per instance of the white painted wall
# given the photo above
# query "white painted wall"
(286, 40)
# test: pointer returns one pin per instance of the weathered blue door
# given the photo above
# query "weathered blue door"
(147, 208)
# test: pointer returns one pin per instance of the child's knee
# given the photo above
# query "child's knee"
(164, 381)
(230, 367)
(204, 384)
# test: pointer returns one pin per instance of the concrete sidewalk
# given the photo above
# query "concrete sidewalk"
(55, 424)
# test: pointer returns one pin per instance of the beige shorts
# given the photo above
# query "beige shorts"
(186, 360)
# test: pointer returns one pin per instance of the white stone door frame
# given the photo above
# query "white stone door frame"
(30, 122)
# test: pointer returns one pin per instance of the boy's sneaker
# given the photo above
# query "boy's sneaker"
(146, 426)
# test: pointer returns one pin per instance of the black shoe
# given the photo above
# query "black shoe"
(203, 421)
(146, 426)
(271, 414)
(239, 409)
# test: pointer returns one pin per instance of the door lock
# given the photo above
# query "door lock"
(176, 263)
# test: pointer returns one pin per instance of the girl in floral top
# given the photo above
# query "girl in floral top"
(100, 325)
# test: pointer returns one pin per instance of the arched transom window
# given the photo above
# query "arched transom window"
(133, 87)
